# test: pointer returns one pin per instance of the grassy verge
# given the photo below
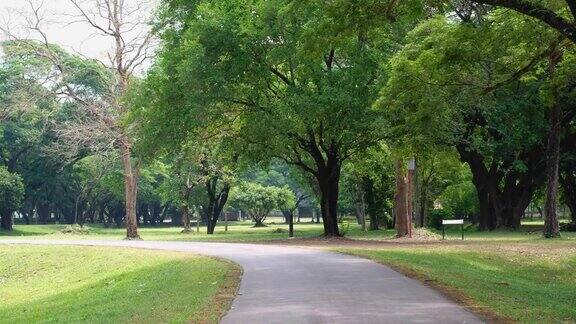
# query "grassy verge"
(244, 232)
(110, 285)
(514, 283)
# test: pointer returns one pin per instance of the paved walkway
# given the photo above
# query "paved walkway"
(295, 285)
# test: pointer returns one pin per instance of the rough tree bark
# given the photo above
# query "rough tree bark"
(185, 211)
(551, 226)
(185, 193)
(503, 195)
(131, 191)
(7, 221)
(216, 202)
(326, 170)
(328, 179)
(400, 207)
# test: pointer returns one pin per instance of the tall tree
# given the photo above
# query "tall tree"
(553, 14)
(125, 26)
(271, 69)
(476, 96)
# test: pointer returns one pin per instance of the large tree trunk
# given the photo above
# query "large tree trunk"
(216, 202)
(325, 177)
(400, 207)
(7, 221)
(502, 206)
(185, 211)
(258, 219)
(328, 180)
(210, 223)
(43, 211)
(551, 226)
(131, 191)
(410, 199)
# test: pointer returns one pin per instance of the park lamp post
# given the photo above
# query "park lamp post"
(411, 166)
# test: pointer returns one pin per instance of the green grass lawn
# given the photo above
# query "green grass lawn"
(515, 274)
(60, 284)
(237, 232)
(522, 283)
(244, 232)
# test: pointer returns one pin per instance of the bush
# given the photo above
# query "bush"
(344, 226)
(435, 217)
(75, 229)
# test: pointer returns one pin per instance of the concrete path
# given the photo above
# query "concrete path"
(295, 285)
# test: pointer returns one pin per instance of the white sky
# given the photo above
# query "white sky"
(59, 16)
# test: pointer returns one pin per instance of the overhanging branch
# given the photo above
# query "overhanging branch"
(565, 27)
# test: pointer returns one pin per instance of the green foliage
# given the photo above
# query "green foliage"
(371, 175)
(264, 75)
(435, 217)
(461, 199)
(344, 227)
(443, 66)
(11, 191)
(258, 201)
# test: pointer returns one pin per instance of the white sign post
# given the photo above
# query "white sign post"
(452, 222)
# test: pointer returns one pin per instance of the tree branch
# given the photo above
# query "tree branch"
(572, 6)
(539, 57)
(539, 12)
(282, 77)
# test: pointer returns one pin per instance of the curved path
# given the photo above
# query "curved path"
(295, 285)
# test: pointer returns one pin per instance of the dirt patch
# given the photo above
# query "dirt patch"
(545, 250)
(222, 301)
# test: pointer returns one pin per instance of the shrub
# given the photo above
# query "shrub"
(75, 229)
(435, 217)
(344, 226)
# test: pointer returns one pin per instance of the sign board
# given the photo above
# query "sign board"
(452, 221)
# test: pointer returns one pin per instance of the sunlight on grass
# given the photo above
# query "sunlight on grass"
(245, 232)
(103, 285)
(526, 289)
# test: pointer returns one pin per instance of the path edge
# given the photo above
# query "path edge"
(485, 313)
